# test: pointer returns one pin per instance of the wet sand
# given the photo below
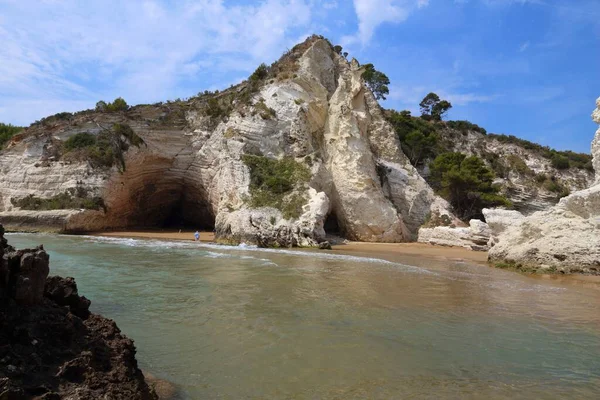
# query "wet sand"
(388, 251)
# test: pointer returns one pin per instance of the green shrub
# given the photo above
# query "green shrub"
(418, 138)
(264, 111)
(559, 161)
(80, 141)
(260, 73)
(103, 150)
(465, 126)
(554, 185)
(119, 104)
(7, 131)
(541, 178)
(126, 131)
(496, 164)
(519, 165)
(466, 182)
(272, 183)
(71, 199)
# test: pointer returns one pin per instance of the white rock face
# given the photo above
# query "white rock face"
(565, 238)
(474, 237)
(596, 142)
(191, 169)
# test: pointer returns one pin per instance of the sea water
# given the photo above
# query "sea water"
(244, 323)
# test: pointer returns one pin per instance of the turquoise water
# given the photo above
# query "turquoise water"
(244, 323)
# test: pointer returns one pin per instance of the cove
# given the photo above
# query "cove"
(239, 322)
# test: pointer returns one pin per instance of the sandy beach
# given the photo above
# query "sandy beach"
(388, 251)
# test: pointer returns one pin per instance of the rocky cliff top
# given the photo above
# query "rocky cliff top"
(51, 346)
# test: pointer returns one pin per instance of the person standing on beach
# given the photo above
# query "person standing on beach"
(197, 236)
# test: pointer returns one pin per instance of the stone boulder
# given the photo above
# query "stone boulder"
(474, 237)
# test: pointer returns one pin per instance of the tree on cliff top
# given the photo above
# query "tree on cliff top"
(118, 105)
(377, 81)
(432, 107)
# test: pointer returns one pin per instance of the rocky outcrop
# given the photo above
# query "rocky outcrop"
(474, 237)
(564, 238)
(51, 346)
(312, 108)
(524, 171)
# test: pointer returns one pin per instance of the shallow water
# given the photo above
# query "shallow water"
(244, 323)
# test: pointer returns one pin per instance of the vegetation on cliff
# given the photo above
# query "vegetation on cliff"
(426, 138)
(275, 183)
(73, 198)
(467, 183)
(104, 149)
(7, 131)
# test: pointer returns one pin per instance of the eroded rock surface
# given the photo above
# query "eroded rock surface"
(565, 238)
(51, 346)
(190, 166)
(474, 237)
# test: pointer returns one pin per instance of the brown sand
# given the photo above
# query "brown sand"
(389, 251)
(159, 234)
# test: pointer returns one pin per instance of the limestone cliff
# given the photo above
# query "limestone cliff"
(565, 238)
(269, 161)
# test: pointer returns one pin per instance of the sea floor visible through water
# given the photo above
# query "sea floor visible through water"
(246, 323)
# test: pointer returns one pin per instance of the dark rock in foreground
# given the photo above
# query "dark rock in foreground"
(51, 346)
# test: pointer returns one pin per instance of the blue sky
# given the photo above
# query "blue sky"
(525, 67)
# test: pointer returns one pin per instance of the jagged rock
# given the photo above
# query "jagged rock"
(51, 347)
(191, 167)
(564, 238)
(63, 291)
(29, 269)
(474, 237)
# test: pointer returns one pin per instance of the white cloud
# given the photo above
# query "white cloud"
(73, 53)
(372, 13)
(524, 47)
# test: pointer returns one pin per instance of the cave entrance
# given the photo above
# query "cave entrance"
(165, 205)
(331, 225)
(187, 213)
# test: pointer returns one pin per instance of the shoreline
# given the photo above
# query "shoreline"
(387, 251)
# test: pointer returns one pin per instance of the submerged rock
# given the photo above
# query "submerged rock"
(565, 238)
(51, 346)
